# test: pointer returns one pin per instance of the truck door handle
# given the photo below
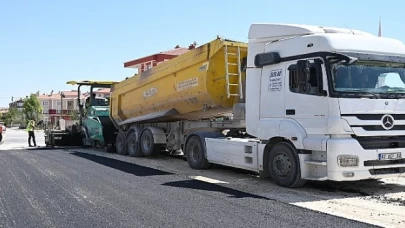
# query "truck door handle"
(290, 111)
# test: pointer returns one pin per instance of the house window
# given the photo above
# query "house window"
(70, 105)
(58, 103)
(45, 103)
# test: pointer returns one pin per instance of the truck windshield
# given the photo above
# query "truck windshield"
(100, 102)
(369, 79)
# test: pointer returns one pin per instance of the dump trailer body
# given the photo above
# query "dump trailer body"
(202, 83)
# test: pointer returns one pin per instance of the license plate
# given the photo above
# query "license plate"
(389, 156)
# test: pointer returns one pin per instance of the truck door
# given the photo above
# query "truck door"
(272, 92)
(308, 103)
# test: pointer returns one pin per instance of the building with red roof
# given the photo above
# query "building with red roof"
(147, 62)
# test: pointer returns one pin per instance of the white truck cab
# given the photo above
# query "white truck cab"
(332, 96)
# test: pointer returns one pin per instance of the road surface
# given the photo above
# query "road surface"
(88, 188)
(15, 138)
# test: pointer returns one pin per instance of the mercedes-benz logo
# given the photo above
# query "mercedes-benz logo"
(387, 122)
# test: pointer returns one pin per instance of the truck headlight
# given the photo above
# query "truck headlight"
(348, 160)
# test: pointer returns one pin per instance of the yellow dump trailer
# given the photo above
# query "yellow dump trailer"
(204, 82)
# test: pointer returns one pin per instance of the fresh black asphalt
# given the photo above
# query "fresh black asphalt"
(58, 188)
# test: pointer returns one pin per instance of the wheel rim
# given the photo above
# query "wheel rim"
(120, 144)
(195, 153)
(131, 146)
(146, 142)
(282, 165)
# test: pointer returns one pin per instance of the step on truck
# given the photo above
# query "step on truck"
(295, 103)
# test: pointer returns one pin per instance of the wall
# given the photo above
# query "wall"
(52, 105)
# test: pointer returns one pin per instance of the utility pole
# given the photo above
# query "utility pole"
(62, 95)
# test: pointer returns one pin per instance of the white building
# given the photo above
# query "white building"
(102, 93)
(59, 104)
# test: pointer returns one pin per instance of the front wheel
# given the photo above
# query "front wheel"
(284, 166)
(195, 153)
(84, 140)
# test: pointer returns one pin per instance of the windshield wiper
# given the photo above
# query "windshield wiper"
(363, 93)
(370, 95)
(398, 96)
(385, 96)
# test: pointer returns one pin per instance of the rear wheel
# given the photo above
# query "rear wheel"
(1, 137)
(120, 144)
(133, 145)
(94, 143)
(195, 153)
(284, 166)
(148, 147)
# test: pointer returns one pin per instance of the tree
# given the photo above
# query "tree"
(9, 116)
(75, 115)
(32, 108)
(13, 116)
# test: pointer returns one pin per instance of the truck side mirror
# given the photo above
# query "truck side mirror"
(303, 73)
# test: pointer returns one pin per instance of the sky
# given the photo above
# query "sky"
(45, 43)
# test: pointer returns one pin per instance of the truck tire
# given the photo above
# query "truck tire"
(148, 147)
(1, 137)
(121, 144)
(195, 153)
(83, 137)
(284, 166)
(133, 145)
(94, 143)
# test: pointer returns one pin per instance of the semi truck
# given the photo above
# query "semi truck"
(295, 103)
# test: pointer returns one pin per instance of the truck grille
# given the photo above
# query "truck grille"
(381, 142)
(375, 116)
(380, 128)
(374, 122)
(382, 163)
(387, 171)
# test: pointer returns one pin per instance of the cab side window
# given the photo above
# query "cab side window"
(312, 85)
